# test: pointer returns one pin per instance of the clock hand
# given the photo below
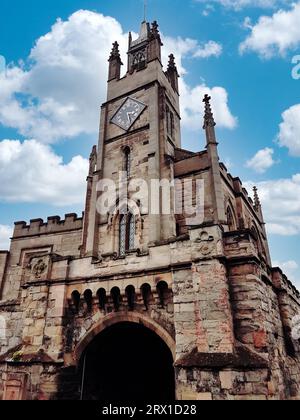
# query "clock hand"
(129, 115)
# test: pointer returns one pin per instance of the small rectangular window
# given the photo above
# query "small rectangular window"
(170, 122)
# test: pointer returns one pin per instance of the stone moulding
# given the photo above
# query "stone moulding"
(242, 358)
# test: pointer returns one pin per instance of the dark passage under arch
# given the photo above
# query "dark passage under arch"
(127, 362)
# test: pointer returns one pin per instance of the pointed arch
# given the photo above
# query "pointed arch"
(258, 242)
(139, 60)
(125, 224)
(231, 217)
(255, 236)
(116, 318)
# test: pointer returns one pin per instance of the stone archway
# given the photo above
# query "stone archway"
(117, 318)
(127, 360)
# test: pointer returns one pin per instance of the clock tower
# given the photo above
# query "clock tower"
(139, 134)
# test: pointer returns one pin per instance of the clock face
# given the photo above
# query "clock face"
(128, 113)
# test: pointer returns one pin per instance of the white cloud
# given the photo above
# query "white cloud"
(5, 235)
(57, 93)
(276, 34)
(181, 48)
(66, 82)
(281, 204)
(209, 8)
(191, 97)
(192, 107)
(240, 4)
(188, 48)
(262, 161)
(211, 48)
(32, 172)
(289, 130)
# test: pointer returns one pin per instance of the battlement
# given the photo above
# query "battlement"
(281, 282)
(237, 186)
(54, 224)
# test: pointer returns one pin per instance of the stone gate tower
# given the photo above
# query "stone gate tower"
(141, 301)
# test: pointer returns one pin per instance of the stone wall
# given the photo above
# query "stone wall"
(229, 318)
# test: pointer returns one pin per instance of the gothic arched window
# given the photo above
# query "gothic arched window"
(139, 60)
(127, 233)
(256, 238)
(230, 219)
(127, 161)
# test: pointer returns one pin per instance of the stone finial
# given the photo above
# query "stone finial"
(129, 39)
(115, 63)
(208, 115)
(93, 160)
(172, 72)
(154, 29)
(115, 53)
(256, 198)
(172, 64)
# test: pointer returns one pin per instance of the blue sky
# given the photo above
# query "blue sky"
(55, 82)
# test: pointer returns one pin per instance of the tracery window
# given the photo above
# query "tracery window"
(230, 219)
(139, 60)
(127, 233)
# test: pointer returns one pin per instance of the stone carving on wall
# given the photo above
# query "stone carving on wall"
(207, 243)
(36, 267)
(39, 269)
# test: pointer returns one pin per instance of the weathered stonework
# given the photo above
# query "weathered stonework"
(209, 291)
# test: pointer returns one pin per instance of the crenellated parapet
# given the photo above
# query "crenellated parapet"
(282, 283)
(54, 224)
(237, 186)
